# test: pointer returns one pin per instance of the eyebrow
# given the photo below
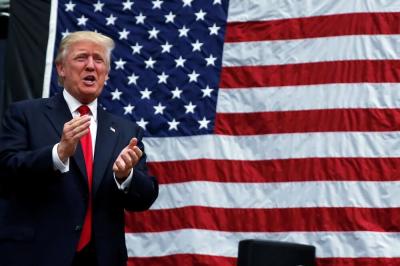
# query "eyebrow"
(78, 53)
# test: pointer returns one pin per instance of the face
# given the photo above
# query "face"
(84, 70)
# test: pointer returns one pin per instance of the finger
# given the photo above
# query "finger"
(77, 125)
(80, 134)
(115, 167)
(80, 120)
(134, 157)
(76, 119)
(70, 122)
(138, 152)
(74, 133)
(126, 157)
(82, 128)
(120, 164)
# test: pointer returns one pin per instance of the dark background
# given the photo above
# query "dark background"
(23, 45)
(4, 19)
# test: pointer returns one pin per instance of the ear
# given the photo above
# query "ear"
(60, 70)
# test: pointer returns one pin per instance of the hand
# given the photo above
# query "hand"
(72, 132)
(126, 160)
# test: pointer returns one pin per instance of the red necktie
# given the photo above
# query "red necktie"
(86, 143)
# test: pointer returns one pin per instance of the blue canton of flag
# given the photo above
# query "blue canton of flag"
(165, 67)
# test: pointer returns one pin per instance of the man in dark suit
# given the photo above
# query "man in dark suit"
(68, 169)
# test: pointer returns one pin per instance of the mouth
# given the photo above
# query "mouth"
(89, 80)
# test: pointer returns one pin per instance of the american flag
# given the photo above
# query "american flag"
(264, 119)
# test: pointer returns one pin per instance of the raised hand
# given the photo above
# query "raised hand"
(72, 132)
(127, 160)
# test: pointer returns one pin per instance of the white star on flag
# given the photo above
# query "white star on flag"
(173, 125)
(214, 29)
(200, 15)
(207, 91)
(187, 2)
(150, 62)
(132, 79)
(142, 123)
(153, 33)
(159, 109)
(120, 64)
(180, 61)
(183, 31)
(127, 5)
(196, 46)
(210, 60)
(157, 4)
(166, 47)
(123, 35)
(170, 17)
(176, 93)
(111, 20)
(136, 48)
(145, 93)
(69, 6)
(140, 18)
(203, 123)
(128, 109)
(193, 76)
(116, 94)
(98, 6)
(82, 20)
(190, 108)
(162, 78)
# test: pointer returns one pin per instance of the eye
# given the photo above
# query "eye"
(81, 58)
(99, 60)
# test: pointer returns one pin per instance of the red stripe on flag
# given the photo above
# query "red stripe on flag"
(265, 220)
(181, 259)
(311, 73)
(312, 27)
(358, 261)
(196, 259)
(305, 169)
(307, 121)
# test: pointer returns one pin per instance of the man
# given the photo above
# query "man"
(69, 169)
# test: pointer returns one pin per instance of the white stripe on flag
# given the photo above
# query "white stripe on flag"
(275, 195)
(328, 244)
(253, 10)
(360, 47)
(311, 97)
(275, 146)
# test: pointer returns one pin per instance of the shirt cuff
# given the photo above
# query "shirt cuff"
(124, 186)
(57, 163)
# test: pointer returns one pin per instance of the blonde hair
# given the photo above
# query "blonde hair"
(78, 36)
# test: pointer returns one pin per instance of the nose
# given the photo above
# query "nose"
(90, 63)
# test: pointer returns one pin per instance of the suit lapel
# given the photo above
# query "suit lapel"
(106, 140)
(59, 114)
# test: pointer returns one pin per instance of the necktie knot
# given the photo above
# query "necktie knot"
(83, 110)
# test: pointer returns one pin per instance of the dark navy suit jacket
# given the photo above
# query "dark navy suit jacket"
(42, 210)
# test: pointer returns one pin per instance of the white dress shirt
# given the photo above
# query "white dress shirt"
(73, 105)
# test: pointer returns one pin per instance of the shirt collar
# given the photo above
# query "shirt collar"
(73, 104)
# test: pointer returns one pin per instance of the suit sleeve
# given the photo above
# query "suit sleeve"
(143, 189)
(17, 159)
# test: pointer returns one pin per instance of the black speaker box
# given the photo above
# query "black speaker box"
(274, 253)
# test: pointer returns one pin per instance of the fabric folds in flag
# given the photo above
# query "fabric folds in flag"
(264, 119)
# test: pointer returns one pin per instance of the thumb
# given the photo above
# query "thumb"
(132, 143)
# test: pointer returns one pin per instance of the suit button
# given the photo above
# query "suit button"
(78, 228)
